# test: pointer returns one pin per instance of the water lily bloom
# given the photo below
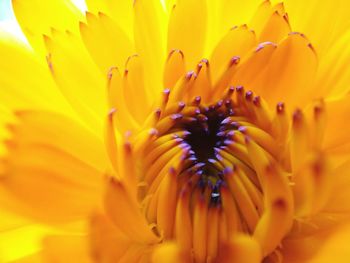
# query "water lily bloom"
(176, 131)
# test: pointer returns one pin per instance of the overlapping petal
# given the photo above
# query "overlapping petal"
(115, 130)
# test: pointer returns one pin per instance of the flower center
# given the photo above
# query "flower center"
(203, 137)
(207, 144)
(215, 166)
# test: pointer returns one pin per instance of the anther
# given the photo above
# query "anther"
(176, 116)
(256, 101)
(280, 107)
(249, 95)
(197, 101)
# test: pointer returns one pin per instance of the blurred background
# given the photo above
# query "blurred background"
(5, 10)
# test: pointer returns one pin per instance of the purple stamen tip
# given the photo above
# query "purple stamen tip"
(242, 129)
(157, 113)
(197, 100)
(181, 105)
(280, 107)
(220, 134)
(234, 60)
(190, 74)
(230, 133)
(178, 140)
(239, 89)
(176, 116)
(204, 60)
(153, 132)
(172, 170)
(249, 95)
(228, 142)
(227, 170)
(256, 101)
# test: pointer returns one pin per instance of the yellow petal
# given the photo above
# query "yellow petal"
(101, 31)
(167, 204)
(78, 77)
(340, 194)
(183, 224)
(336, 133)
(23, 244)
(174, 68)
(169, 253)
(188, 20)
(335, 249)
(149, 32)
(275, 29)
(132, 222)
(115, 86)
(108, 243)
(249, 69)
(303, 247)
(289, 73)
(72, 190)
(261, 16)
(47, 15)
(34, 258)
(213, 233)
(28, 90)
(237, 42)
(277, 218)
(31, 154)
(200, 228)
(62, 249)
(45, 128)
(320, 31)
(138, 97)
(334, 72)
(235, 13)
(240, 249)
(120, 11)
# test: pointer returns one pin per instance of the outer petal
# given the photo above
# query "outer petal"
(334, 75)
(47, 15)
(119, 10)
(187, 30)
(150, 37)
(66, 249)
(47, 155)
(47, 128)
(126, 215)
(329, 245)
(319, 30)
(237, 42)
(226, 14)
(25, 81)
(335, 249)
(240, 249)
(78, 77)
(21, 244)
(170, 253)
(289, 73)
(107, 243)
(339, 198)
(102, 31)
(336, 132)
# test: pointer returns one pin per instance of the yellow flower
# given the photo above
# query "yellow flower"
(177, 131)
